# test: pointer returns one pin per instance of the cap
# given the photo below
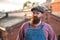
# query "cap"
(39, 8)
(45, 9)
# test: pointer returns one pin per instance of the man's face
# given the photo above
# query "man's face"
(36, 17)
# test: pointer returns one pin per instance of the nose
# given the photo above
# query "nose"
(35, 14)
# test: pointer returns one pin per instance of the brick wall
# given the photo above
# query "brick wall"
(55, 6)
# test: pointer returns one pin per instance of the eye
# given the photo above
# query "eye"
(37, 13)
(33, 12)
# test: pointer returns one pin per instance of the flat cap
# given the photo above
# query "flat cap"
(45, 9)
(39, 8)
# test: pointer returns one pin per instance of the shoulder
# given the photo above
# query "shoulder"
(47, 26)
(24, 25)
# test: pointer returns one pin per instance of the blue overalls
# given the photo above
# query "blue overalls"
(35, 34)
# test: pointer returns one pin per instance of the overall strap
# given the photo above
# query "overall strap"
(41, 26)
(28, 25)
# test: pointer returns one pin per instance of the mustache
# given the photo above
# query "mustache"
(35, 17)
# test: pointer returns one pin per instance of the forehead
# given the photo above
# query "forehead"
(35, 11)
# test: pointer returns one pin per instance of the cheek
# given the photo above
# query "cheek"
(39, 15)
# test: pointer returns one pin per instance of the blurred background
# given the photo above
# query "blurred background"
(13, 13)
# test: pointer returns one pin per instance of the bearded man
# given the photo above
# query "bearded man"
(36, 29)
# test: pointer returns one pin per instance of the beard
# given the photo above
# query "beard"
(35, 20)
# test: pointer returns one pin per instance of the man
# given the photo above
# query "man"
(45, 17)
(35, 29)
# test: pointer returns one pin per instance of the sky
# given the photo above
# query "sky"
(10, 5)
